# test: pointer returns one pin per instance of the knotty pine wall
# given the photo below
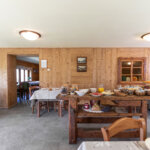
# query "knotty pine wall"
(101, 66)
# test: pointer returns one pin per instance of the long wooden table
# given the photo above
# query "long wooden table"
(77, 115)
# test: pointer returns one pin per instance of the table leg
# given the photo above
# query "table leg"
(144, 112)
(32, 109)
(60, 108)
(48, 105)
(72, 123)
(38, 109)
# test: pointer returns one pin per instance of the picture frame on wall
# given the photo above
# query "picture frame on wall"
(81, 64)
(82, 68)
(82, 60)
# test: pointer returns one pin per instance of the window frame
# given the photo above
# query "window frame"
(131, 59)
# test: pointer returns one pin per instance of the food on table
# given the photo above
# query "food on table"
(93, 90)
(147, 92)
(146, 82)
(140, 92)
(120, 94)
(101, 88)
(86, 106)
(82, 92)
(96, 94)
(96, 107)
(79, 93)
(75, 87)
(108, 93)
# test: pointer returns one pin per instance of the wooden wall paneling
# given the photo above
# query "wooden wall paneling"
(102, 66)
(108, 68)
(84, 79)
(56, 75)
(114, 65)
(131, 52)
(94, 68)
(46, 76)
(65, 61)
(11, 80)
(3, 79)
(147, 55)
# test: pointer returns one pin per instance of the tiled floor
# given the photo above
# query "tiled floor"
(22, 130)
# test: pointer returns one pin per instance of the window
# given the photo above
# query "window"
(17, 75)
(22, 75)
(26, 75)
(30, 75)
(131, 70)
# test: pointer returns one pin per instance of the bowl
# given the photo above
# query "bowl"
(93, 90)
(80, 93)
(84, 90)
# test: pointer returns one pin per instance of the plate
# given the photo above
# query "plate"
(90, 110)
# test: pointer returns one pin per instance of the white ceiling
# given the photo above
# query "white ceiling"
(75, 23)
(34, 60)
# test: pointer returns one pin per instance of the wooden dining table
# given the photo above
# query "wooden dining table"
(79, 116)
(114, 145)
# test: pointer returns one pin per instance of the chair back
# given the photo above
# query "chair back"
(33, 88)
(125, 124)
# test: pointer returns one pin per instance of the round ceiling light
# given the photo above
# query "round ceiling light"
(30, 35)
(146, 36)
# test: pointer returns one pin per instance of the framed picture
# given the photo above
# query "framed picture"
(81, 60)
(81, 68)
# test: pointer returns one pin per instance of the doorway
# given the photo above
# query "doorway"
(23, 72)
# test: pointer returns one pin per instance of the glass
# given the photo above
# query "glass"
(137, 70)
(126, 64)
(17, 75)
(101, 88)
(126, 71)
(137, 64)
(22, 75)
(26, 75)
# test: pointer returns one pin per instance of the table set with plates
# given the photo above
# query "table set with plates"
(44, 95)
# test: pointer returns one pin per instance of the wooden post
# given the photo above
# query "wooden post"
(72, 120)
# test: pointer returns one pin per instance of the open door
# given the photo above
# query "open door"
(11, 77)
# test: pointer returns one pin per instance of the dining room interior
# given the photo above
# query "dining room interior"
(75, 75)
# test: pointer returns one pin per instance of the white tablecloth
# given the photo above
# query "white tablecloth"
(114, 145)
(44, 95)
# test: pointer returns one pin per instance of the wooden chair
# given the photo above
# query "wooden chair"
(125, 124)
(61, 103)
(31, 90)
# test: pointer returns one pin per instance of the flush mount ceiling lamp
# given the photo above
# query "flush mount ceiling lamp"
(30, 35)
(146, 36)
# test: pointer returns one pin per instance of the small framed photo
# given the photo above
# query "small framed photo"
(82, 68)
(81, 60)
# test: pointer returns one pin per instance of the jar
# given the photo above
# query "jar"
(101, 88)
